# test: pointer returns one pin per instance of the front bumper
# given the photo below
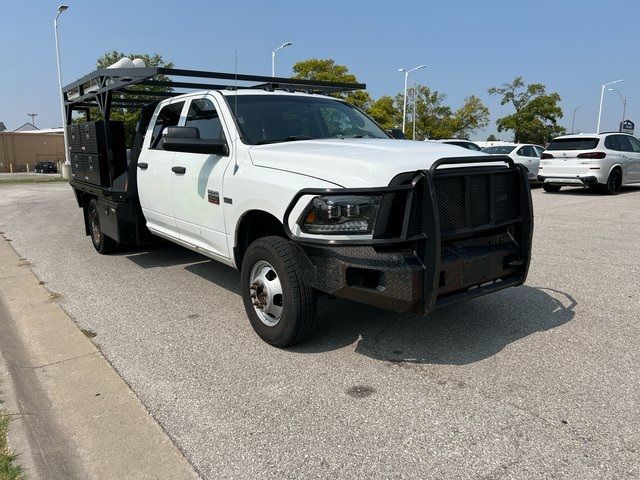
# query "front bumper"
(464, 232)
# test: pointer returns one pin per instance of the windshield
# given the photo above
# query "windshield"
(284, 118)
(573, 144)
(499, 150)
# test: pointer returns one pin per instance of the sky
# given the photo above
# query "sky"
(572, 46)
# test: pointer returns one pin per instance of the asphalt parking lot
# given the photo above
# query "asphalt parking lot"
(540, 381)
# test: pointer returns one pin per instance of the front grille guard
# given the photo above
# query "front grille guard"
(418, 182)
(421, 230)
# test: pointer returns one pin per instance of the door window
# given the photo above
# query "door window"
(635, 144)
(611, 142)
(527, 151)
(203, 115)
(625, 144)
(169, 116)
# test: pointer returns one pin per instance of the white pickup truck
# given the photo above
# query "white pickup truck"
(301, 192)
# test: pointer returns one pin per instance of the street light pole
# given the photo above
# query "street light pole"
(66, 166)
(273, 57)
(33, 118)
(602, 98)
(414, 110)
(573, 121)
(406, 78)
(622, 99)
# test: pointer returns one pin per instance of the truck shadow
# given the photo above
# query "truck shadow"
(457, 335)
(162, 254)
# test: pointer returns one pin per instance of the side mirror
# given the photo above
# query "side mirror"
(187, 139)
(397, 133)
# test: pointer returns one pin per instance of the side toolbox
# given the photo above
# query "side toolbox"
(77, 165)
(117, 220)
(89, 146)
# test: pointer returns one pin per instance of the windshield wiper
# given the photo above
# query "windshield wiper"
(290, 138)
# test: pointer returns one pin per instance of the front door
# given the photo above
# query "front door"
(154, 173)
(198, 203)
(528, 156)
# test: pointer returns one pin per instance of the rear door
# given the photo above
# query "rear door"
(635, 168)
(198, 202)
(629, 159)
(154, 173)
(621, 153)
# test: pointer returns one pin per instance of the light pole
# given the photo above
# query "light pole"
(66, 166)
(602, 98)
(414, 110)
(622, 99)
(406, 78)
(33, 118)
(573, 121)
(273, 57)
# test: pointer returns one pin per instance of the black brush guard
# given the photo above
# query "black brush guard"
(442, 235)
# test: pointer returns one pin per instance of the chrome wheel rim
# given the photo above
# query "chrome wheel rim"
(265, 293)
(95, 226)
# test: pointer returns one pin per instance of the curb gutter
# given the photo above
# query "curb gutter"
(78, 418)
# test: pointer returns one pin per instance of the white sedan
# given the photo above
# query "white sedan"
(525, 154)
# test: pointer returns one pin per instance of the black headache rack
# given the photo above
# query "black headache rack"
(457, 233)
(100, 165)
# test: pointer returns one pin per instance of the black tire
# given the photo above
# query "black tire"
(614, 183)
(101, 242)
(547, 187)
(297, 301)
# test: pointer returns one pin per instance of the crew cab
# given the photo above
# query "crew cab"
(604, 161)
(304, 194)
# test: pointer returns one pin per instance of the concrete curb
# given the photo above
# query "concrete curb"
(79, 419)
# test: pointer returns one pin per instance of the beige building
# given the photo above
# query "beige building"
(21, 149)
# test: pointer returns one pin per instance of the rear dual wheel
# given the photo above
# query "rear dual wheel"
(101, 242)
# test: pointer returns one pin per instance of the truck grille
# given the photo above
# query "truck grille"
(472, 200)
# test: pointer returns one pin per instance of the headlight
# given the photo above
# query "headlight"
(343, 214)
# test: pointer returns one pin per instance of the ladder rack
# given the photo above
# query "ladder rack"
(107, 88)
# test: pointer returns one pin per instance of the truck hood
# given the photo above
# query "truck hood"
(354, 162)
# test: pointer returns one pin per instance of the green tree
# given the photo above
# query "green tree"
(384, 112)
(471, 116)
(434, 119)
(492, 138)
(327, 70)
(432, 116)
(536, 112)
(131, 116)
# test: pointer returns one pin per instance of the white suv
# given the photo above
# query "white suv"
(526, 154)
(605, 161)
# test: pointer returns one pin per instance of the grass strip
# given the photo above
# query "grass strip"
(8, 468)
(12, 180)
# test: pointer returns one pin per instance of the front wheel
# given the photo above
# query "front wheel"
(280, 305)
(551, 188)
(101, 242)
